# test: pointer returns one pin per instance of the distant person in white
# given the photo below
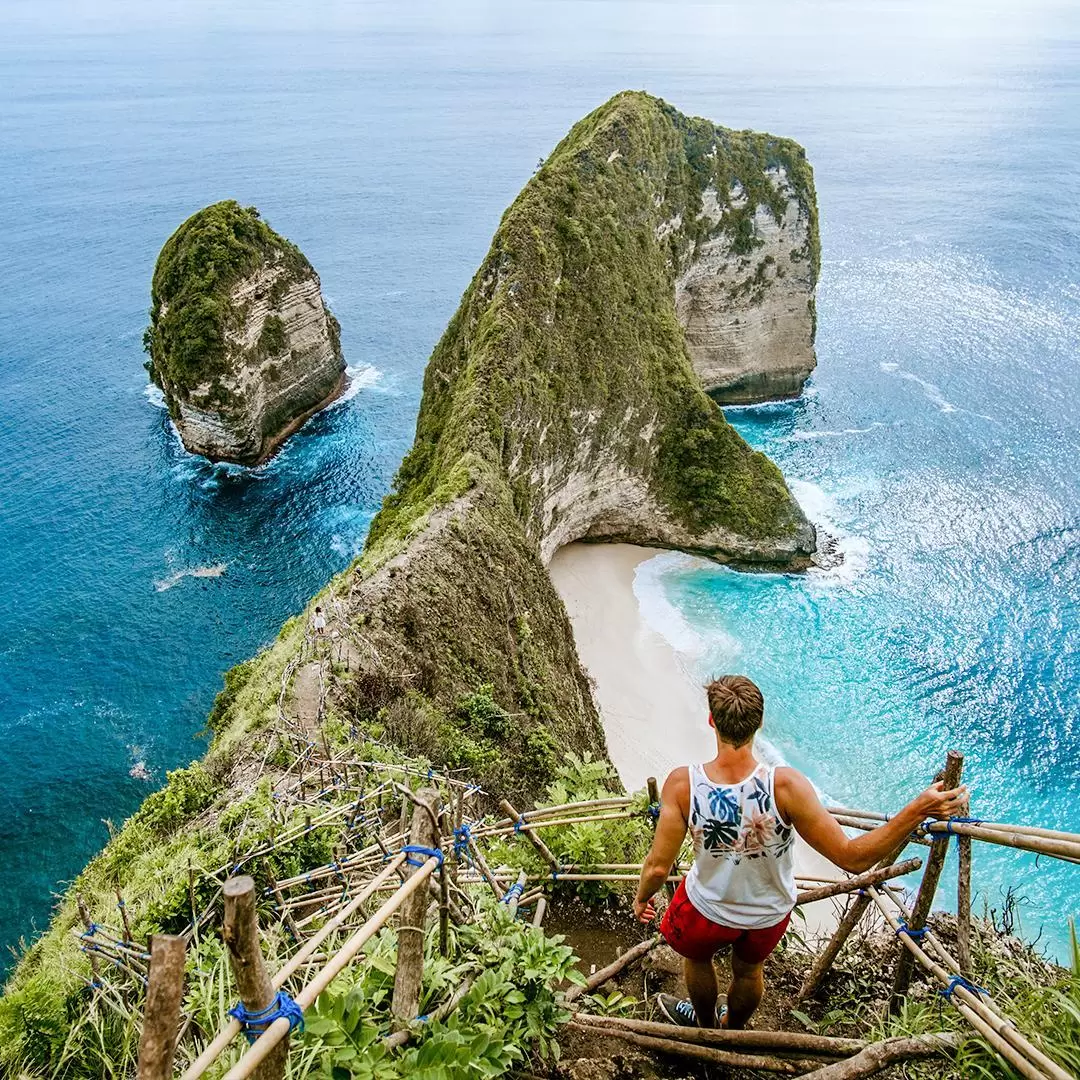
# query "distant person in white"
(740, 890)
(318, 622)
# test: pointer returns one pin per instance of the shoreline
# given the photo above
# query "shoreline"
(653, 711)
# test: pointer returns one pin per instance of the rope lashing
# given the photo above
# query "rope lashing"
(462, 837)
(958, 980)
(915, 935)
(416, 849)
(254, 1022)
(653, 810)
(520, 824)
(513, 893)
(924, 828)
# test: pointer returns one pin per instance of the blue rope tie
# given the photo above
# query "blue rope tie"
(416, 849)
(254, 1022)
(925, 827)
(462, 836)
(959, 980)
(513, 893)
(519, 824)
(653, 810)
(915, 935)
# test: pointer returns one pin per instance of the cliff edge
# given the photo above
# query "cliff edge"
(240, 339)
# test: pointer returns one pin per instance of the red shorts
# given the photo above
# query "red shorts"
(694, 936)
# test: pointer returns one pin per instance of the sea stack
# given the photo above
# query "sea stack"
(241, 341)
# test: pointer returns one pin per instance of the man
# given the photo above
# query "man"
(740, 890)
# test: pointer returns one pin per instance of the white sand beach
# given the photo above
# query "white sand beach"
(654, 713)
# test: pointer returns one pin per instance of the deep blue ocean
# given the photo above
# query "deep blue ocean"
(939, 437)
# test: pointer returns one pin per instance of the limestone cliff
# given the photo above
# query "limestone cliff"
(746, 300)
(240, 340)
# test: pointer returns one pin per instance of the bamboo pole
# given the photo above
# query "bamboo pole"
(881, 1055)
(161, 1017)
(1066, 850)
(266, 1042)
(485, 870)
(84, 914)
(699, 1053)
(871, 877)
(240, 931)
(232, 1028)
(848, 922)
(400, 1038)
(541, 910)
(954, 766)
(999, 1031)
(777, 1042)
(604, 974)
(519, 822)
(515, 896)
(409, 973)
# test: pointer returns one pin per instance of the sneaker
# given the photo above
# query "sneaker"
(676, 1011)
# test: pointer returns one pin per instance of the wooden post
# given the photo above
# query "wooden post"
(541, 911)
(410, 952)
(84, 914)
(954, 764)
(515, 897)
(161, 1017)
(654, 800)
(963, 902)
(541, 847)
(445, 829)
(850, 920)
(123, 915)
(241, 933)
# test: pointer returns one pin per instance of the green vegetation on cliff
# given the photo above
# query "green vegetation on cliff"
(197, 267)
(572, 316)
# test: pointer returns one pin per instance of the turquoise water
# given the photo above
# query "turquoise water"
(386, 139)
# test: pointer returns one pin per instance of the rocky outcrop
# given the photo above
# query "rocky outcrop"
(241, 342)
(749, 314)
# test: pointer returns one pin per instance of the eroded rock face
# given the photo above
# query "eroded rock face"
(749, 315)
(245, 357)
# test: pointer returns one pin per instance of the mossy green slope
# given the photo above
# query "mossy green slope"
(453, 644)
(567, 336)
(190, 310)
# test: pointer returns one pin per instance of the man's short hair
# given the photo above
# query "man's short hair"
(736, 707)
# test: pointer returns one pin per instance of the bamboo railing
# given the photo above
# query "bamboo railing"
(363, 808)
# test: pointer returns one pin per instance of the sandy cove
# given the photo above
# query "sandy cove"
(654, 713)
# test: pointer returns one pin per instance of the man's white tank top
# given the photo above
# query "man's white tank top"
(744, 852)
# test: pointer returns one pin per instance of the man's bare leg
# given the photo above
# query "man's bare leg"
(703, 990)
(744, 994)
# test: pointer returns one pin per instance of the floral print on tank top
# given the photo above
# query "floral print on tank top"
(738, 822)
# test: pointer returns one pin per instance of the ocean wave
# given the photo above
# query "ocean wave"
(191, 571)
(658, 613)
(931, 390)
(155, 395)
(822, 510)
(357, 379)
(806, 436)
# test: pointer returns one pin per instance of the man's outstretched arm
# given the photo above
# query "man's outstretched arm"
(670, 833)
(799, 804)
